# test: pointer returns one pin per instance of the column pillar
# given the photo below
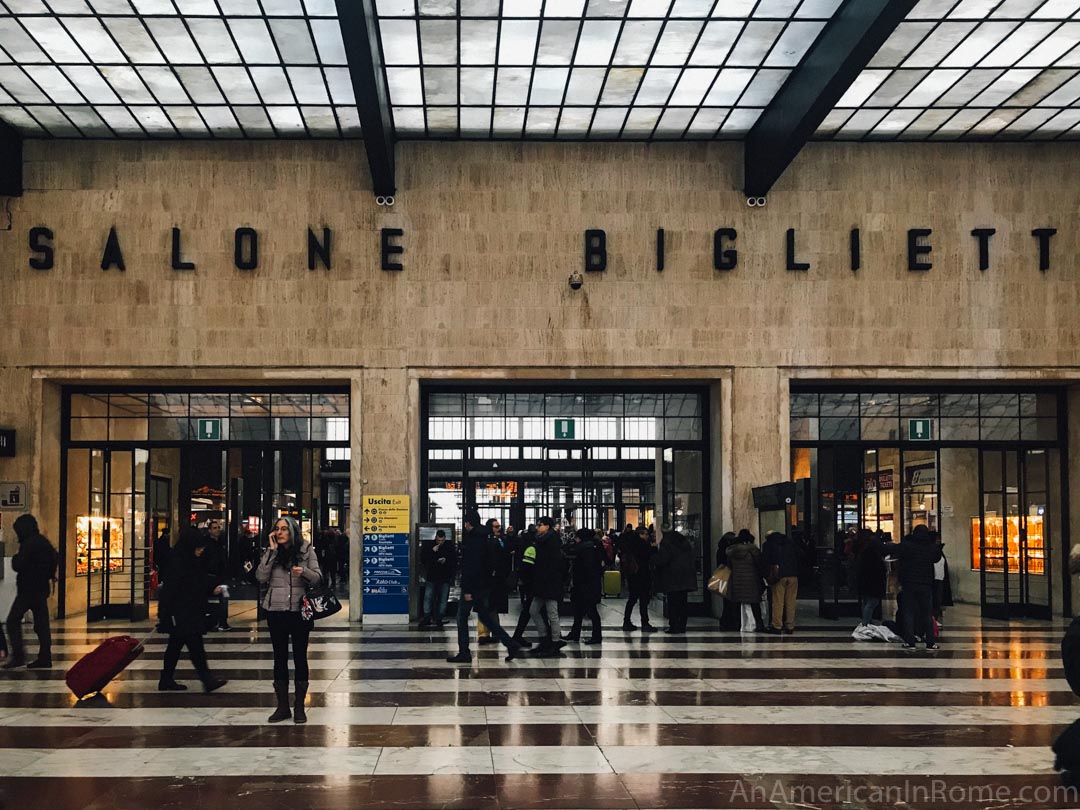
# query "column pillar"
(759, 438)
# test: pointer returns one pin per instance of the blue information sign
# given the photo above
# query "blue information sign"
(385, 580)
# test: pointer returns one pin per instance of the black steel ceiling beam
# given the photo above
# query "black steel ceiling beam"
(844, 47)
(11, 161)
(359, 31)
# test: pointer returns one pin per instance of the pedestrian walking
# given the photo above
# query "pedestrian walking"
(35, 571)
(586, 583)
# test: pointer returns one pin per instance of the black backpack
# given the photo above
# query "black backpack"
(1067, 746)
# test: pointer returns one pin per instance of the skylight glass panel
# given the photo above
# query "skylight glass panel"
(479, 39)
(320, 8)
(153, 6)
(408, 121)
(349, 120)
(606, 8)
(90, 84)
(1059, 43)
(1015, 47)
(548, 86)
(154, 121)
(320, 121)
(174, 41)
(608, 122)
(793, 44)
(969, 86)
(20, 45)
(131, 35)
(596, 42)
(120, 121)
(900, 44)
(649, 8)
(240, 8)
(399, 42)
(236, 85)
(395, 8)
(294, 42)
(584, 86)
(1061, 123)
(272, 85)
(93, 39)
(253, 38)
(621, 85)
(763, 88)
(475, 122)
(739, 123)
(692, 8)
(641, 122)
(1065, 96)
(127, 84)
(517, 43)
(865, 83)
(406, 86)
(1057, 9)
(676, 42)
(54, 84)
(440, 85)
(196, 7)
(519, 8)
(739, 9)
(657, 86)
(27, 6)
(1016, 8)
(442, 121)
(308, 86)
(833, 121)
(287, 120)
(541, 122)
(557, 38)
(776, 8)
(480, 8)
(574, 123)
(754, 43)
(993, 123)
(21, 120)
(729, 87)
(438, 42)
(930, 88)
(1004, 88)
(339, 81)
(200, 85)
(692, 86)
(477, 85)
(512, 86)
(673, 122)
(187, 121)
(54, 121)
(818, 9)
(508, 122)
(328, 41)
(716, 42)
(939, 44)
(283, 8)
(894, 123)
(637, 42)
(982, 40)
(960, 123)
(859, 124)
(707, 122)
(163, 84)
(222, 122)
(1040, 87)
(1029, 121)
(972, 9)
(212, 37)
(254, 121)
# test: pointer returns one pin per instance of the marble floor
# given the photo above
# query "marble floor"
(707, 720)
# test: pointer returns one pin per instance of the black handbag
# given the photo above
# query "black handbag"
(319, 602)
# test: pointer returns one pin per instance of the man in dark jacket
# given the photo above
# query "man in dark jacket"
(636, 555)
(477, 576)
(676, 577)
(439, 558)
(544, 557)
(35, 568)
(523, 546)
(586, 572)
(217, 563)
(917, 554)
(781, 559)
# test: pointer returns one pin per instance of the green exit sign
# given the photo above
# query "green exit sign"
(564, 428)
(209, 430)
(920, 430)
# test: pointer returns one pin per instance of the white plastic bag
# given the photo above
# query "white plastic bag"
(874, 632)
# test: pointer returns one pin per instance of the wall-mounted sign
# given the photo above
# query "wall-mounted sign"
(7, 443)
(209, 430)
(920, 430)
(385, 580)
(564, 428)
(14, 496)
(880, 481)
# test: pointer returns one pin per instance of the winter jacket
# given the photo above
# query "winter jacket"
(286, 589)
(782, 552)
(675, 569)
(440, 565)
(183, 599)
(745, 561)
(35, 566)
(587, 572)
(477, 562)
(544, 559)
(917, 554)
(870, 570)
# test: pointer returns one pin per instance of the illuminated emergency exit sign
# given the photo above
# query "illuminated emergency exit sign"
(920, 430)
(564, 428)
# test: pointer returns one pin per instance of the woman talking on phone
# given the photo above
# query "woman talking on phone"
(288, 567)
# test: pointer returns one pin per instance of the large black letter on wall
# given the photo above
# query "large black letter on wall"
(1043, 235)
(315, 249)
(112, 255)
(595, 250)
(915, 250)
(659, 250)
(792, 264)
(177, 261)
(856, 249)
(724, 259)
(46, 260)
(983, 235)
(390, 249)
(246, 241)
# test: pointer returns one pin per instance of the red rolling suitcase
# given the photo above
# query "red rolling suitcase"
(93, 671)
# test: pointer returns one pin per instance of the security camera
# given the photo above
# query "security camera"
(576, 280)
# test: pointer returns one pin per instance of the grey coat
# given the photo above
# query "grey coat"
(286, 589)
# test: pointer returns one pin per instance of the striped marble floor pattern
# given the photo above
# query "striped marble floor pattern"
(707, 720)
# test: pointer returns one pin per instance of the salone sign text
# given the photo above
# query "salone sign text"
(42, 242)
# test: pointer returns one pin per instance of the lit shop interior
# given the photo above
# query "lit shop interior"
(981, 467)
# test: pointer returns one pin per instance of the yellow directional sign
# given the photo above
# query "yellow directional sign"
(385, 514)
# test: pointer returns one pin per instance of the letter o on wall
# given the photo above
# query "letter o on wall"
(246, 242)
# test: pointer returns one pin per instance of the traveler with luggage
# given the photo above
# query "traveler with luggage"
(731, 613)
(676, 576)
(587, 569)
(35, 571)
(183, 606)
(289, 566)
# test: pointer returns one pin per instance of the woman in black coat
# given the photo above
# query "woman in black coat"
(587, 573)
(184, 597)
(746, 586)
(870, 575)
(730, 619)
(676, 577)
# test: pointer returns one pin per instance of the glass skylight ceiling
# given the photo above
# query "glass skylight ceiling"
(527, 69)
(183, 68)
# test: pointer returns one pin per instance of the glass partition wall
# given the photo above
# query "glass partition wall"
(137, 463)
(980, 467)
(596, 457)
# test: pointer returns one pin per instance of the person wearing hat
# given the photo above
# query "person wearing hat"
(586, 573)
(184, 608)
(35, 569)
(478, 567)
